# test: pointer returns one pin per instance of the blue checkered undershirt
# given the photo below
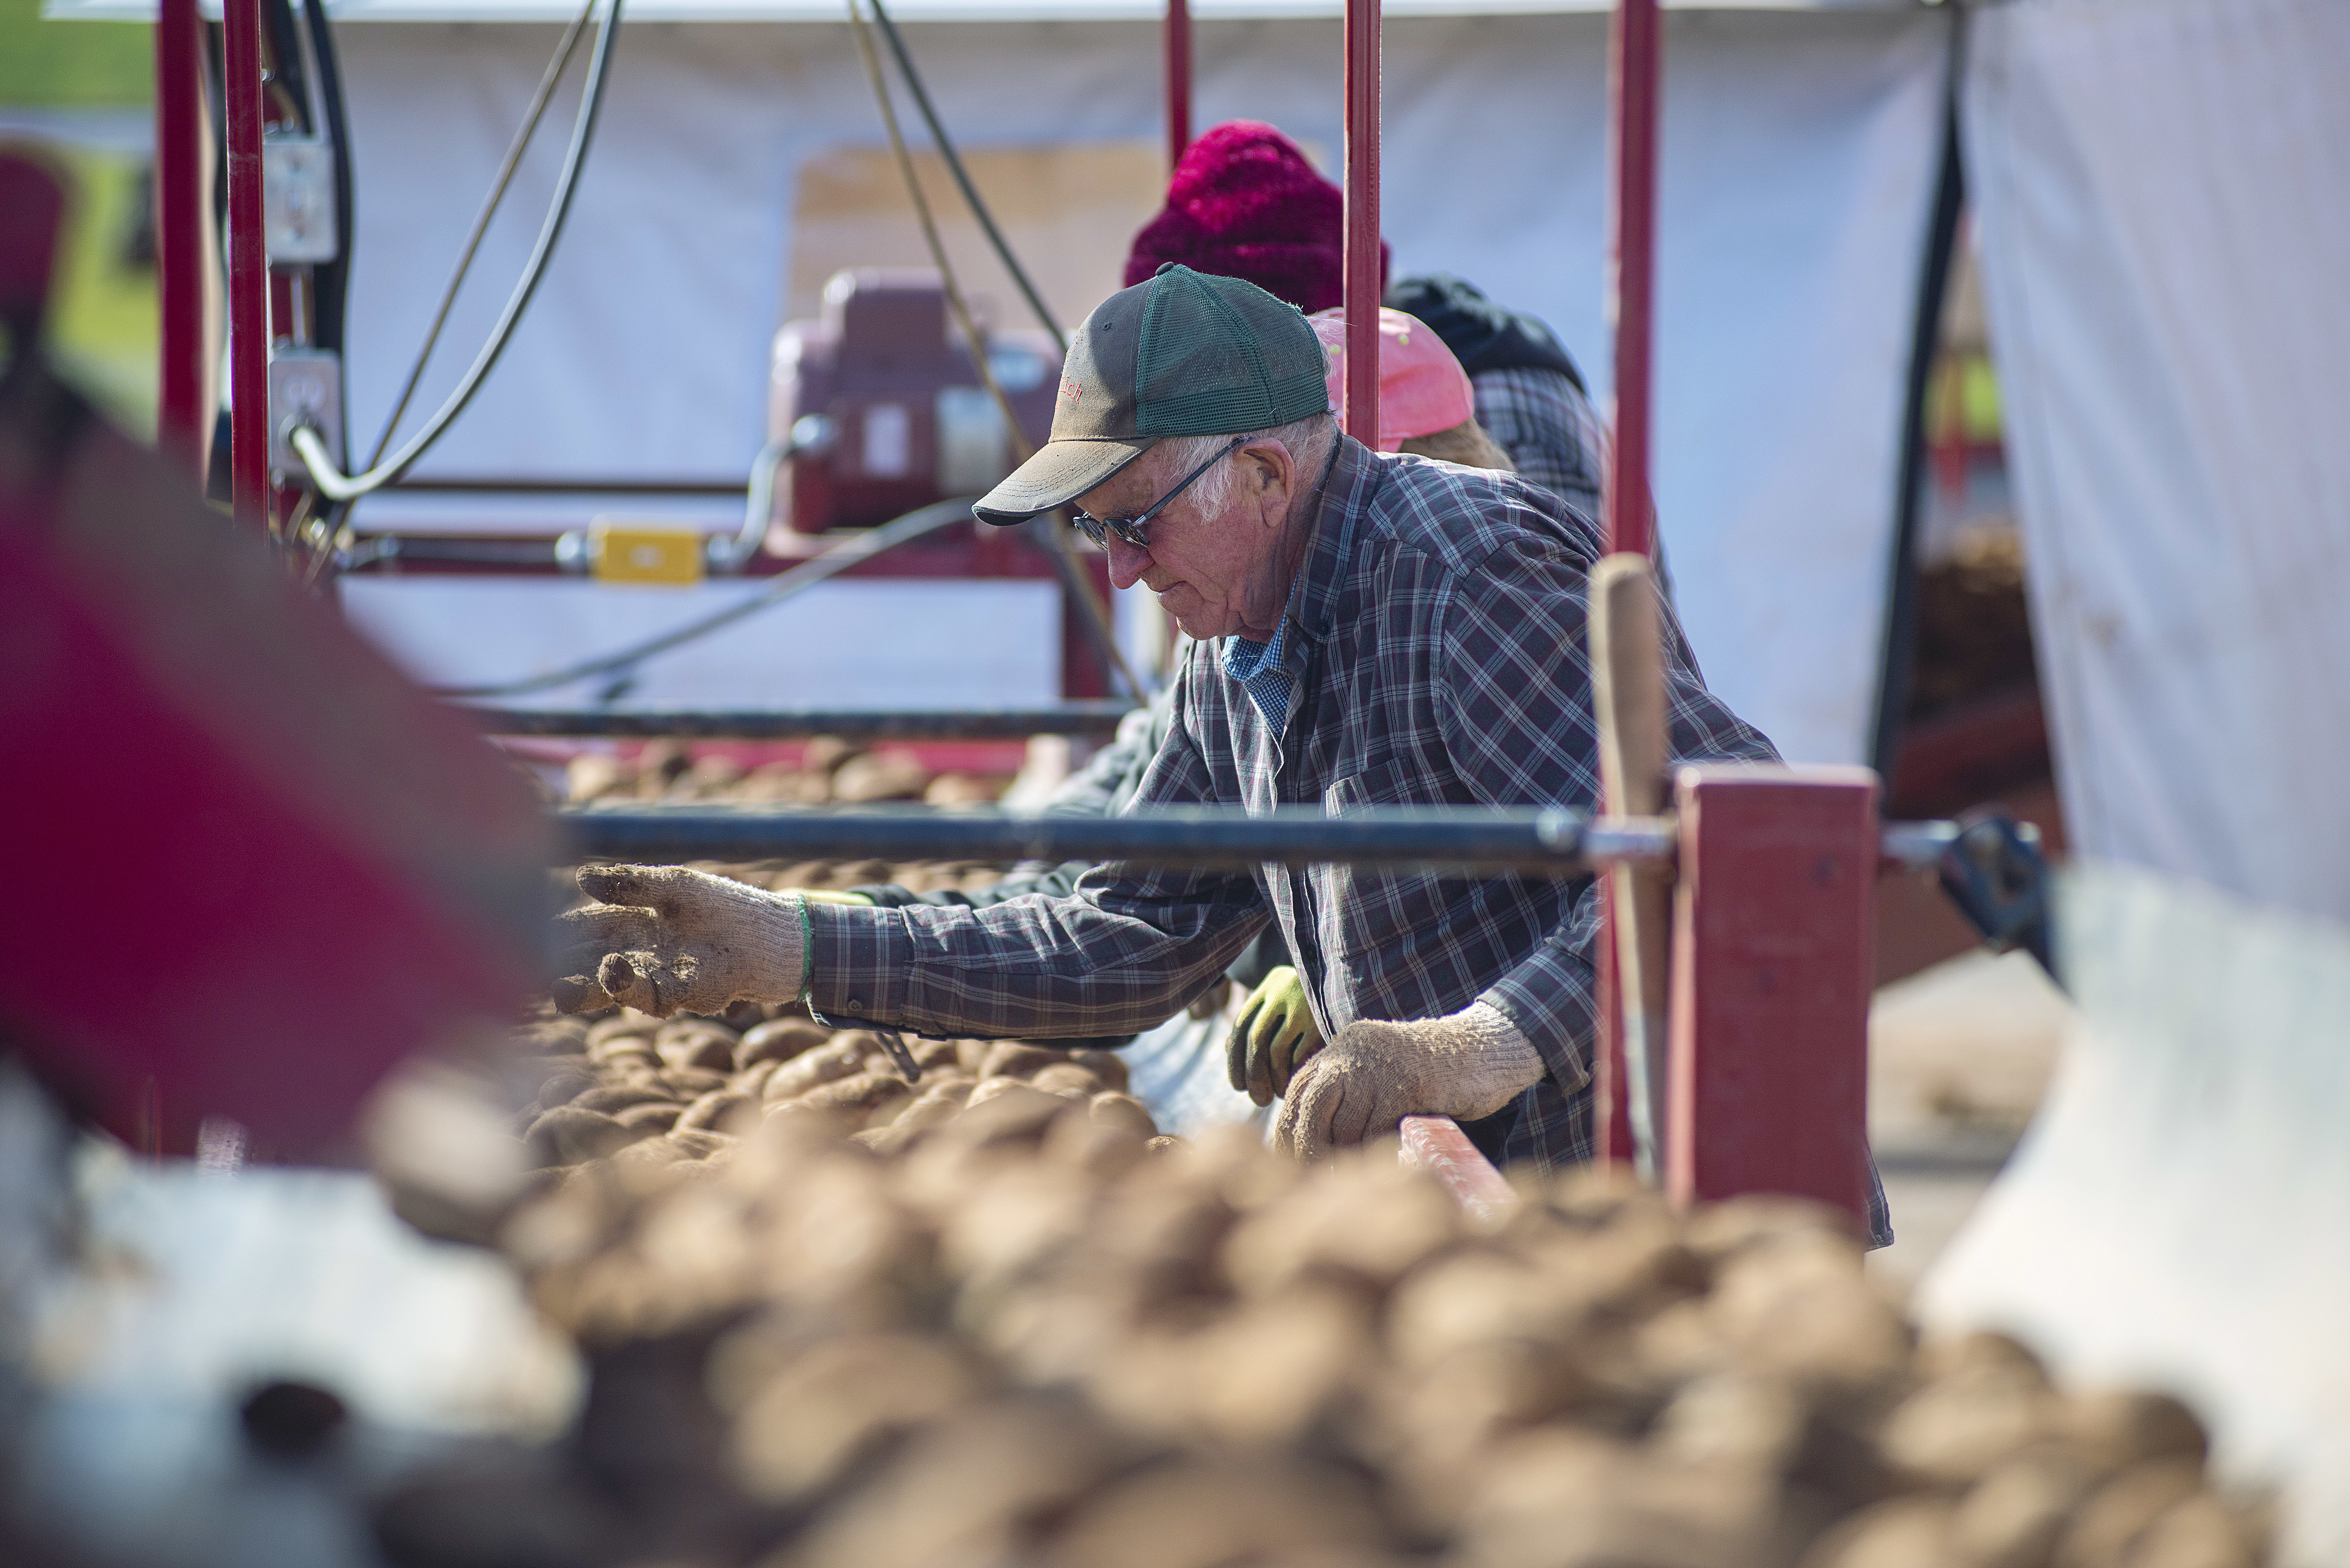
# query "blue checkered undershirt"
(1262, 667)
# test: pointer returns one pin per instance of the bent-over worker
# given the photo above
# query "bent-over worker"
(1371, 629)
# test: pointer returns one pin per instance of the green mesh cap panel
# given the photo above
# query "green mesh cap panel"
(1218, 357)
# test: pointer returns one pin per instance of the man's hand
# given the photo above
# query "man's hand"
(1374, 1075)
(665, 940)
(1272, 1038)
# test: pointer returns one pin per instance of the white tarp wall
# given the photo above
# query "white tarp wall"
(2174, 1218)
(2160, 188)
(1798, 154)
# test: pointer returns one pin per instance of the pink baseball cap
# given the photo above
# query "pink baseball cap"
(1422, 388)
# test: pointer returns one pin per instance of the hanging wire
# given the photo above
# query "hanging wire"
(336, 484)
(515, 151)
(1094, 613)
(962, 179)
(832, 563)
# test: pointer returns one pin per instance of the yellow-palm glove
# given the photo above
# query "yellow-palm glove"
(1272, 1038)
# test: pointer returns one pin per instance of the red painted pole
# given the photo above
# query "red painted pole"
(248, 267)
(1179, 80)
(1635, 60)
(180, 234)
(1362, 233)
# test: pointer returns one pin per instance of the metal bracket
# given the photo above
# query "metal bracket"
(306, 388)
(297, 178)
(1994, 872)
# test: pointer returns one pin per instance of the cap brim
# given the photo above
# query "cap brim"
(1057, 473)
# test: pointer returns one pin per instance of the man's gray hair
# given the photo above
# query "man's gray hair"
(1309, 441)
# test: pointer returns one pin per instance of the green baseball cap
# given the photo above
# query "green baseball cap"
(1181, 354)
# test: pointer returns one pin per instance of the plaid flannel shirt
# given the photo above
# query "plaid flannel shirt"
(1439, 643)
(1544, 422)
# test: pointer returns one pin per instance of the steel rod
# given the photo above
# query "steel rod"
(852, 724)
(1362, 282)
(1551, 841)
(180, 204)
(1179, 80)
(248, 266)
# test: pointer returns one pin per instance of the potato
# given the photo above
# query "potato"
(659, 1116)
(1069, 1079)
(697, 1043)
(627, 1027)
(713, 1110)
(693, 1083)
(1018, 1059)
(567, 1134)
(613, 1098)
(839, 1058)
(1106, 1065)
(2110, 1523)
(1123, 1112)
(779, 1041)
(853, 1095)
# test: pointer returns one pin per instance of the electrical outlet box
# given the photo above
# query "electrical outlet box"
(297, 181)
(622, 551)
(306, 388)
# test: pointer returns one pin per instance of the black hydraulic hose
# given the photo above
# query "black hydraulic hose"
(962, 179)
(332, 283)
(339, 486)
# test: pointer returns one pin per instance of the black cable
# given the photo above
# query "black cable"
(323, 475)
(832, 563)
(287, 73)
(962, 179)
(332, 281)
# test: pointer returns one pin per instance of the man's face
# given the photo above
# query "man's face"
(1215, 573)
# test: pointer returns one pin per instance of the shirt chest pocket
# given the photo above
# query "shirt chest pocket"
(1382, 783)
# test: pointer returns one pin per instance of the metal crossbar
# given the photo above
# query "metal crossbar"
(1553, 840)
(850, 724)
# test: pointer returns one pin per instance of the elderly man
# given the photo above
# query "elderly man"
(1371, 629)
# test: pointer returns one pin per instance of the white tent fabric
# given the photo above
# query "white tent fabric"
(1798, 157)
(2173, 1218)
(2158, 187)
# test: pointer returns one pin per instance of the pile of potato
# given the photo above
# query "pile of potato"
(834, 1320)
(641, 1092)
(828, 769)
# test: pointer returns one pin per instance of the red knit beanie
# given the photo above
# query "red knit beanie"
(1245, 203)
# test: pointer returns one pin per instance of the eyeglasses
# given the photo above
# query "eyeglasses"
(1135, 530)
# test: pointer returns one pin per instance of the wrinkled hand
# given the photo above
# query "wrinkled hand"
(1374, 1075)
(664, 939)
(1272, 1038)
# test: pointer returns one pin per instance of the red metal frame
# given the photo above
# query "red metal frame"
(1179, 80)
(248, 266)
(1773, 932)
(1362, 233)
(1634, 64)
(1437, 1145)
(179, 235)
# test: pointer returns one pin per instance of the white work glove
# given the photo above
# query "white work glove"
(1374, 1075)
(666, 939)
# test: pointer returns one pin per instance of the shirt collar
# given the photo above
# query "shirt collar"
(1345, 495)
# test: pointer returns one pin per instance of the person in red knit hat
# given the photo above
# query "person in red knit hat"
(1244, 203)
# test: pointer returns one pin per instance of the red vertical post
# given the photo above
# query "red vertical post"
(248, 266)
(1634, 63)
(1362, 232)
(1179, 80)
(1633, 66)
(1772, 924)
(180, 234)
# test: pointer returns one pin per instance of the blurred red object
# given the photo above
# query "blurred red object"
(255, 866)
